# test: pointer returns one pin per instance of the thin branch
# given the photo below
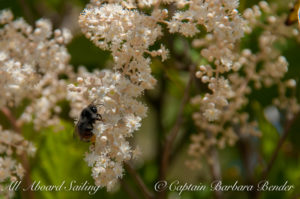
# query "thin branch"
(215, 169)
(270, 164)
(23, 157)
(129, 190)
(180, 145)
(16, 126)
(185, 134)
(246, 152)
(213, 161)
(138, 180)
(279, 144)
(27, 11)
(245, 149)
(174, 131)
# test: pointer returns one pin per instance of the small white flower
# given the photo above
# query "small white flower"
(3, 56)
(20, 171)
(212, 114)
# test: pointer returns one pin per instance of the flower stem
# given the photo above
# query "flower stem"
(174, 132)
(287, 129)
(138, 180)
(23, 157)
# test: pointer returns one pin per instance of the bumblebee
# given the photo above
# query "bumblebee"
(85, 125)
(294, 14)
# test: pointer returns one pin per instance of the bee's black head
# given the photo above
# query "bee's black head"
(93, 108)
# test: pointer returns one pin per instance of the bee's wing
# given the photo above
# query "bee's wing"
(294, 14)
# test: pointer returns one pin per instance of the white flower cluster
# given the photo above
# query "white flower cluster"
(32, 61)
(230, 78)
(119, 26)
(128, 34)
(121, 113)
(225, 28)
(124, 29)
(217, 16)
(35, 61)
(11, 143)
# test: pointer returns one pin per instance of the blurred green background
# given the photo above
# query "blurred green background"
(59, 157)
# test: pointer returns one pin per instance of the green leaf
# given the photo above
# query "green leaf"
(270, 135)
(59, 159)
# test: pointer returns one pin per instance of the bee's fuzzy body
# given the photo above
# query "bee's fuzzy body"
(85, 125)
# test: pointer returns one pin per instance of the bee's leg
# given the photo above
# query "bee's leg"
(89, 127)
(99, 117)
(93, 139)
